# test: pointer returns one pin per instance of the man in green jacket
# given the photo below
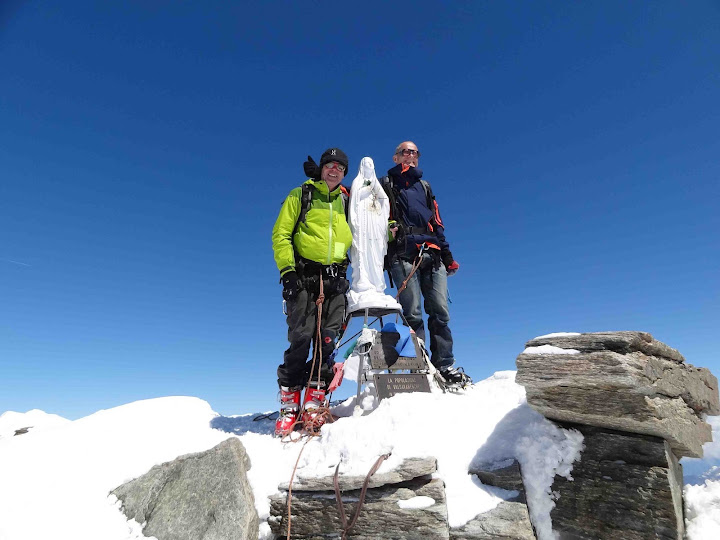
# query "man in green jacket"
(310, 246)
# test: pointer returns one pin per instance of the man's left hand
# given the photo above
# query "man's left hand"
(452, 268)
(451, 265)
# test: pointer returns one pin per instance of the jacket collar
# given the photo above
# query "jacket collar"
(407, 178)
(322, 187)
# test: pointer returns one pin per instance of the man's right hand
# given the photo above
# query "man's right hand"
(290, 285)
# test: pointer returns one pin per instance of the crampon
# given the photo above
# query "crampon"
(453, 380)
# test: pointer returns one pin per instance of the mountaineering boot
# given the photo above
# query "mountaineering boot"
(289, 409)
(312, 417)
(455, 376)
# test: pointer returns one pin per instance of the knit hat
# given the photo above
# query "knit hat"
(334, 154)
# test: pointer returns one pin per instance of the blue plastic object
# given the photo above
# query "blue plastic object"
(405, 345)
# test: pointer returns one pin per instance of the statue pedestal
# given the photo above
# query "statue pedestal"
(371, 300)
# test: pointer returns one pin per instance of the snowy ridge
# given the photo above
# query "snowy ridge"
(53, 472)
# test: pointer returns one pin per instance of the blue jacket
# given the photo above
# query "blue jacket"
(416, 211)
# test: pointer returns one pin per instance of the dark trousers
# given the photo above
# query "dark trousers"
(302, 328)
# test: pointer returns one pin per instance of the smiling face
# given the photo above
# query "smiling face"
(406, 153)
(332, 175)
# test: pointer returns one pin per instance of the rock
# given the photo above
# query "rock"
(315, 515)
(509, 520)
(624, 486)
(611, 384)
(410, 468)
(619, 342)
(507, 476)
(204, 496)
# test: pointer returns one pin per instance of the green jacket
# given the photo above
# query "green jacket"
(325, 236)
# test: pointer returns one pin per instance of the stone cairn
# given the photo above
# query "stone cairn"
(640, 407)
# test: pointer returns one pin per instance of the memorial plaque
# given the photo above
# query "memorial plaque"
(389, 384)
(384, 356)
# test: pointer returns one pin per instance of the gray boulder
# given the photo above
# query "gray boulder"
(204, 496)
(624, 486)
(621, 380)
(509, 520)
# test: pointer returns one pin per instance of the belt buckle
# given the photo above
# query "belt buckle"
(331, 271)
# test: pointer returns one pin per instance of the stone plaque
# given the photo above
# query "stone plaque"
(389, 384)
(384, 356)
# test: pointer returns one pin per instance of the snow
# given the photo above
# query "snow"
(56, 479)
(11, 421)
(558, 334)
(549, 349)
(417, 502)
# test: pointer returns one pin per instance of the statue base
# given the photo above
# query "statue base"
(371, 300)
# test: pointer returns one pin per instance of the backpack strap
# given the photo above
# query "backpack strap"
(305, 202)
(428, 194)
(345, 194)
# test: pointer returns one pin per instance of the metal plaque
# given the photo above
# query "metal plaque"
(389, 384)
(384, 356)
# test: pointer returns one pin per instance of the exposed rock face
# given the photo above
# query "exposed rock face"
(409, 469)
(624, 486)
(413, 508)
(626, 381)
(509, 520)
(204, 496)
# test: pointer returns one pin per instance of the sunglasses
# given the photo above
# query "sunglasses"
(333, 165)
(409, 152)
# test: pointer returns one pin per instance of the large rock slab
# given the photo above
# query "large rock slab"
(603, 379)
(409, 469)
(409, 510)
(509, 520)
(204, 496)
(624, 486)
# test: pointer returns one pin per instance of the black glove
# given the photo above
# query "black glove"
(311, 169)
(290, 285)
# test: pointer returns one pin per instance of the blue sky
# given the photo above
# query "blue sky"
(146, 147)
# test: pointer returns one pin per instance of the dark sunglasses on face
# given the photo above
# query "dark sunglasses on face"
(409, 152)
(333, 165)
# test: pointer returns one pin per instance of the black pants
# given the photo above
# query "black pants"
(302, 327)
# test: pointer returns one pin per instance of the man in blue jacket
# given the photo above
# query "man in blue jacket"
(418, 240)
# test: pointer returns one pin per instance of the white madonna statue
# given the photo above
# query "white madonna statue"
(369, 211)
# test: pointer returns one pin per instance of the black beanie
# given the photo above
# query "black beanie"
(334, 154)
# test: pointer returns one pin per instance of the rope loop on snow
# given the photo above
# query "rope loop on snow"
(338, 497)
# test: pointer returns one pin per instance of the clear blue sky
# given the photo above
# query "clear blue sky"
(145, 149)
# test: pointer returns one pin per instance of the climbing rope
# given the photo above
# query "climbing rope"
(415, 266)
(338, 497)
(323, 413)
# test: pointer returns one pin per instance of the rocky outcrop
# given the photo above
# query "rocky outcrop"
(204, 496)
(640, 407)
(409, 469)
(623, 486)
(412, 508)
(510, 519)
(625, 381)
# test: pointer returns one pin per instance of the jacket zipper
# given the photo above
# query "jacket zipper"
(330, 242)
